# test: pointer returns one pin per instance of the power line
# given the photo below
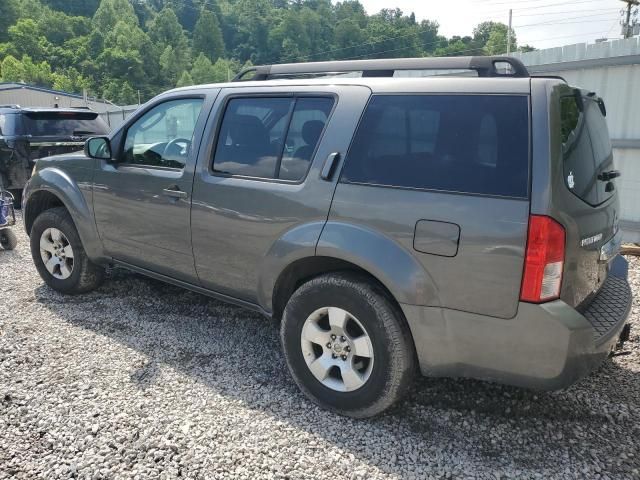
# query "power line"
(470, 49)
(566, 11)
(417, 32)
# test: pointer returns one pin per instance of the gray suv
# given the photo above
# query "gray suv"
(459, 224)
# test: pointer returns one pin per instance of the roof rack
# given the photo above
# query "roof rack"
(556, 77)
(484, 66)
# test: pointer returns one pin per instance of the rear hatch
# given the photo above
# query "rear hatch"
(58, 132)
(585, 195)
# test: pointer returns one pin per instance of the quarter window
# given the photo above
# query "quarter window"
(270, 137)
(458, 143)
(163, 136)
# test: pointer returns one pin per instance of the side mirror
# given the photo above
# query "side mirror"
(98, 147)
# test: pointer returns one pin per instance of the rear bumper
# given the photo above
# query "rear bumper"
(547, 346)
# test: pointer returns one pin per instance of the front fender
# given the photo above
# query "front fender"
(74, 195)
(395, 267)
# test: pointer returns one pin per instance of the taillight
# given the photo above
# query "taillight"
(544, 260)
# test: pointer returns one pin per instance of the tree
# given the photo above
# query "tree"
(110, 12)
(203, 70)
(172, 64)
(8, 16)
(224, 70)
(120, 92)
(84, 8)
(185, 80)
(498, 41)
(27, 39)
(165, 29)
(207, 36)
(11, 70)
(492, 36)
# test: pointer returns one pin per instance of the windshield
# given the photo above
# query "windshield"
(63, 124)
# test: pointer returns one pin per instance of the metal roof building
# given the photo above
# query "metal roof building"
(30, 96)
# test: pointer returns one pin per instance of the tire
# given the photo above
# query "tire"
(370, 313)
(83, 274)
(8, 239)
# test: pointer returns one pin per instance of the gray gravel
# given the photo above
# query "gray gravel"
(144, 380)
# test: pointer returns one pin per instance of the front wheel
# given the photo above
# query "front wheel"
(59, 256)
(347, 345)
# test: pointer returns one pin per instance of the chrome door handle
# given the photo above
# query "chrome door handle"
(174, 193)
(329, 166)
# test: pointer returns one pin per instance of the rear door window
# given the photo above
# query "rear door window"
(457, 143)
(64, 124)
(586, 148)
(270, 137)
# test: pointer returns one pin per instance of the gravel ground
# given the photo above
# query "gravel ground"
(144, 380)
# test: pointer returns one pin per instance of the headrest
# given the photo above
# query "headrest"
(311, 131)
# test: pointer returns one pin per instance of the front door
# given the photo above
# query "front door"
(259, 181)
(142, 199)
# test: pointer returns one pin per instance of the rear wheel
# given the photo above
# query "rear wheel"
(347, 345)
(8, 239)
(59, 256)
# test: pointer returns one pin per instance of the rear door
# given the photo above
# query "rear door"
(446, 177)
(258, 179)
(584, 192)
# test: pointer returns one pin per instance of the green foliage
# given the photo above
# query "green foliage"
(203, 70)
(207, 36)
(8, 16)
(185, 80)
(110, 12)
(26, 38)
(11, 69)
(119, 49)
(496, 37)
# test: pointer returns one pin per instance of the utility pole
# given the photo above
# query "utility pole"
(509, 33)
(627, 28)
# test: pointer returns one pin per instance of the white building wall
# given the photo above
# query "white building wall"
(612, 70)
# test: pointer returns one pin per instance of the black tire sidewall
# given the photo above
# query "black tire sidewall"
(327, 294)
(60, 219)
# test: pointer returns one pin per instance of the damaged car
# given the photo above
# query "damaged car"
(27, 134)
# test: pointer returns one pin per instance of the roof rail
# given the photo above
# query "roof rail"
(484, 66)
(10, 105)
(556, 77)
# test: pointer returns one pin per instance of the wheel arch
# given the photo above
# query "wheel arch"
(40, 201)
(51, 188)
(307, 268)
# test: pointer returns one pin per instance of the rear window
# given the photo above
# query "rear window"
(63, 124)
(8, 124)
(586, 147)
(458, 143)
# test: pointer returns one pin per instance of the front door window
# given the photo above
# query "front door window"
(162, 137)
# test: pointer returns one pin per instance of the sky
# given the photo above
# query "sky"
(540, 23)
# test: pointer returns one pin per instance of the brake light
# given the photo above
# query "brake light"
(544, 260)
